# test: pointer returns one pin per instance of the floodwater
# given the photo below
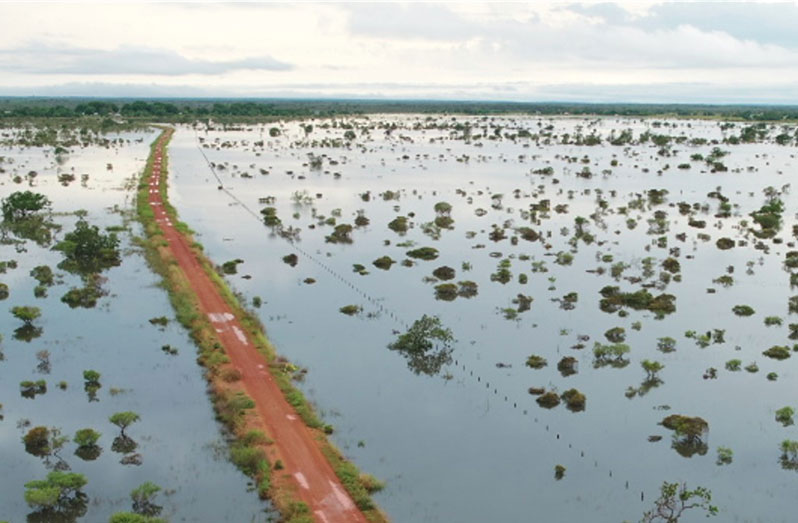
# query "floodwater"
(181, 446)
(469, 443)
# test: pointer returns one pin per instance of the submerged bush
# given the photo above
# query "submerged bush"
(350, 310)
(548, 400)
(444, 273)
(610, 355)
(567, 366)
(383, 262)
(424, 253)
(536, 362)
(784, 415)
(614, 300)
(446, 292)
(743, 310)
(777, 352)
(574, 400)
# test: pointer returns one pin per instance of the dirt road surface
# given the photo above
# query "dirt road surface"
(317, 484)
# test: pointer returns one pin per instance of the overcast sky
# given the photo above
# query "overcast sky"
(621, 51)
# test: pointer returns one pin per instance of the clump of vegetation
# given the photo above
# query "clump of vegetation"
(652, 369)
(773, 321)
(724, 244)
(291, 259)
(567, 366)
(734, 365)
(399, 225)
(536, 362)
(725, 456)
(614, 300)
(383, 262)
(785, 415)
(675, 499)
(467, 289)
(26, 313)
(37, 441)
(86, 250)
(616, 334)
(143, 499)
(689, 434)
(57, 497)
(502, 274)
(43, 274)
(789, 454)
(123, 420)
(231, 266)
(20, 205)
(86, 440)
(270, 218)
(88, 295)
(444, 273)
(446, 292)
(527, 234)
(342, 233)
(163, 321)
(574, 400)
(350, 310)
(671, 265)
(743, 310)
(768, 217)
(610, 355)
(777, 352)
(559, 472)
(666, 344)
(419, 345)
(548, 400)
(423, 253)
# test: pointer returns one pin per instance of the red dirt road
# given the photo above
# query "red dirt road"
(316, 482)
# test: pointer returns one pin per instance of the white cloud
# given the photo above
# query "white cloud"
(519, 51)
(64, 59)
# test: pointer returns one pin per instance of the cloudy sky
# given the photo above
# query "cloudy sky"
(617, 51)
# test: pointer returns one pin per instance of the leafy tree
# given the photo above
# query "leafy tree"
(419, 347)
(142, 497)
(123, 420)
(86, 437)
(43, 274)
(689, 434)
(86, 250)
(443, 208)
(21, 204)
(26, 313)
(651, 368)
(37, 441)
(675, 499)
(59, 488)
(91, 376)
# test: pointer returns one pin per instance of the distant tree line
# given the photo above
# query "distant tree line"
(191, 109)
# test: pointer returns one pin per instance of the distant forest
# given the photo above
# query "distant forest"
(186, 110)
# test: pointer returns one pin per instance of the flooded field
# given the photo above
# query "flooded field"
(615, 289)
(144, 367)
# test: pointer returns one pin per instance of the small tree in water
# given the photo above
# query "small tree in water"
(675, 499)
(123, 420)
(417, 345)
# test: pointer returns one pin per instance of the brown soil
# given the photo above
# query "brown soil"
(313, 479)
